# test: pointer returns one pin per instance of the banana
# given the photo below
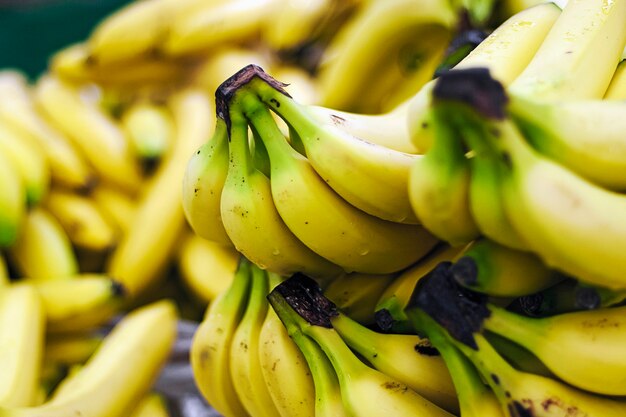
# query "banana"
(499, 271)
(356, 294)
(396, 297)
(116, 39)
(372, 178)
(245, 365)
(43, 250)
(617, 87)
(389, 129)
(519, 357)
(82, 220)
(486, 203)
(217, 23)
(28, 160)
(152, 405)
(578, 347)
(384, 55)
(118, 207)
(505, 52)
(565, 66)
(586, 136)
(206, 267)
(328, 401)
(251, 219)
(17, 110)
(203, 183)
(325, 222)
(96, 135)
(475, 398)
(150, 129)
(12, 202)
(282, 360)
(406, 358)
(439, 185)
(22, 327)
(210, 349)
(365, 391)
(76, 64)
(296, 22)
(68, 350)
(5, 278)
(121, 371)
(159, 220)
(82, 303)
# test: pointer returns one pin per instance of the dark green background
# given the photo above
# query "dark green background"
(30, 31)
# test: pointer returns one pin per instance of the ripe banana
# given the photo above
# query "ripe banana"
(505, 52)
(43, 250)
(69, 350)
(245, 365)
(152, 405)
(96, 135)
(28, 160)
(566, 66)
(12, 202)
(82, 220)
(149, 128)
(22, 325)
(586, 136)
(159, 219)
(283, 361)
(17, 110)
(406, 358)
(196, 257)
(372, 178)
(203, 183)
(295, 22)
(385, 53)
(499, 271)
(439, 185)
(210, 350)
(365, 391)
(251, 219)
(117, 206)
(325, 222)
(356, 294)
(475, 398)
(617, 88)
(121, 371)
(81, 303)
(578, 347)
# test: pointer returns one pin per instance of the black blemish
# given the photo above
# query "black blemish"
(275, 102)
(474, 87)
(506, 159)
(375, 355)
(118, 289)
(459, 310)
(424, 347)
(91, 61)
(465, 271)
(305, 296)
(507, 394)
(226, 90)
(495, 379)
(383, 319)
(198, 153)
(424, 125)
(516, 409)
(337, 120)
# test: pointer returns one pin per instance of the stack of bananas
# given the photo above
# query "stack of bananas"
(329, 155)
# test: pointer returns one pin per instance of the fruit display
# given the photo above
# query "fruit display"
(319, 208)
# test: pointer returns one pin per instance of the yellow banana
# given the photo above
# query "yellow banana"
(69, 350)
(118, 207)
(206, 267)
(566, 66)
(505, 52)
(159, 219)
(97, 136)
(617, 88)
(12, 202)
(150, 129)
(82, 220)
(22, 327)
(43, 250)
(152, 405)
(295, 22)
(210, 350)
(121, 371)
(17, 110)
(29, 161)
